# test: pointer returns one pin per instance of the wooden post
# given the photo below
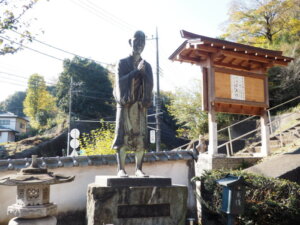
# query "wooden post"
(213, 135)
(212, 122)
(265, 134)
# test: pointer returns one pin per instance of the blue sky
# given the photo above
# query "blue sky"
(100, 29)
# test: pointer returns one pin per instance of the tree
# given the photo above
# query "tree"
(185, 107)
(91, 92)
(264, 23)
(282, 79)
(98, 142)
(39, 105)
(14, 103)
(11, 19)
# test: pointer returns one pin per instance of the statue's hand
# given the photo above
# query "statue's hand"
(141, 66)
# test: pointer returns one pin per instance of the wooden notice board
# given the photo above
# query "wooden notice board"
(239, 91)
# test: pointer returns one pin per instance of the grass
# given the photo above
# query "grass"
(19, 146)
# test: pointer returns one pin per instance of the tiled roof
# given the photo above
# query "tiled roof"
(11, 115)
(2, 128)
(96, 160)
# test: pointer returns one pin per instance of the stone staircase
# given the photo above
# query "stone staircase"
(277, 141)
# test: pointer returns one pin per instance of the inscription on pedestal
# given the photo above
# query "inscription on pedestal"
(143, 211)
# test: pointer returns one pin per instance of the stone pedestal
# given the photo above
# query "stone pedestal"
(48, 220)
(136, 201)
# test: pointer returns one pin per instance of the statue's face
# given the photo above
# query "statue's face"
(138, 44)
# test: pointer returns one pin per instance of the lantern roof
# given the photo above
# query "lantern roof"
(34, 175)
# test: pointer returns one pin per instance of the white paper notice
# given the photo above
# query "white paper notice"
(237, 87)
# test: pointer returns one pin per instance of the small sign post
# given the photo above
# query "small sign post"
(74, 143)
(152, 136)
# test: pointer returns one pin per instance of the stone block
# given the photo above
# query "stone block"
(48, 220)
(36, 211)
(136, 205)
(115, 181)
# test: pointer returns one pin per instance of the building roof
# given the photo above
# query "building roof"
(2, 128)
(11, 115)
(197, 48)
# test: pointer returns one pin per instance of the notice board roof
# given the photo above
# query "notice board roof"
(198, 48)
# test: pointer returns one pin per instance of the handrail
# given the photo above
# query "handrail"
(236, 123)
(271, 135)
(246, 119)
(237, 138)
(284, 103)
(251, 117)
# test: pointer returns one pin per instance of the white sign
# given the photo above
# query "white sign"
(75, 133)
(237, 87)
(152, 136)
(74, 143)
(74, 153)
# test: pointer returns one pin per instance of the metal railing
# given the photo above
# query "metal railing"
(229, 143)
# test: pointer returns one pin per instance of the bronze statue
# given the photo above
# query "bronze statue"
(133, 92)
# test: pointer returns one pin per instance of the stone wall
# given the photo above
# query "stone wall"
(71, 197)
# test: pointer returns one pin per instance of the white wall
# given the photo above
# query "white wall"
(4, 137)
(72, 196)
(12, 123)
(18, 128)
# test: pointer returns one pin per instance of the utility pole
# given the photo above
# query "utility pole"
(157, 106)
(70, 113)
(157, 97)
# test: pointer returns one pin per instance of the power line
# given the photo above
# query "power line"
(46, 54)
(60, 49)
(94, 121)
(92, 97)
(13, 83)
(113, 17)
(22, 77)
(104, 15)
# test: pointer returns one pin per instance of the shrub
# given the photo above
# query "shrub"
(99, 141)
(268, 201)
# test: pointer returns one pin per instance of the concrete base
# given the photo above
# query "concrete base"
(36, 211)
(48, 220)
(139, 205)
(214, 162)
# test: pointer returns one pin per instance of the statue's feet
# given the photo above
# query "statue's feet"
(140, 173)
(122, 173)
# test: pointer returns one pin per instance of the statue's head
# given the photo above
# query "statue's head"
(137, 42)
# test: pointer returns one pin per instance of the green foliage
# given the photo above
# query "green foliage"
(185, 107)
(264, 23)
(99, 141)
(14, 103)
(92, 90)
(39, 105)
(282, 79)
(166, 98)
(273, 24)
(268, 201)
(12, 18)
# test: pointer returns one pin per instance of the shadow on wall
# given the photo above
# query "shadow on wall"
(72, 218)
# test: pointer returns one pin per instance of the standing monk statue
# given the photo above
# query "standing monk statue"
(133, 92)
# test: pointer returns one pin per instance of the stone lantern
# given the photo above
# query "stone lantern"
(33, 204)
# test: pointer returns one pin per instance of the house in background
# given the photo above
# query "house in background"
(10, 126)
